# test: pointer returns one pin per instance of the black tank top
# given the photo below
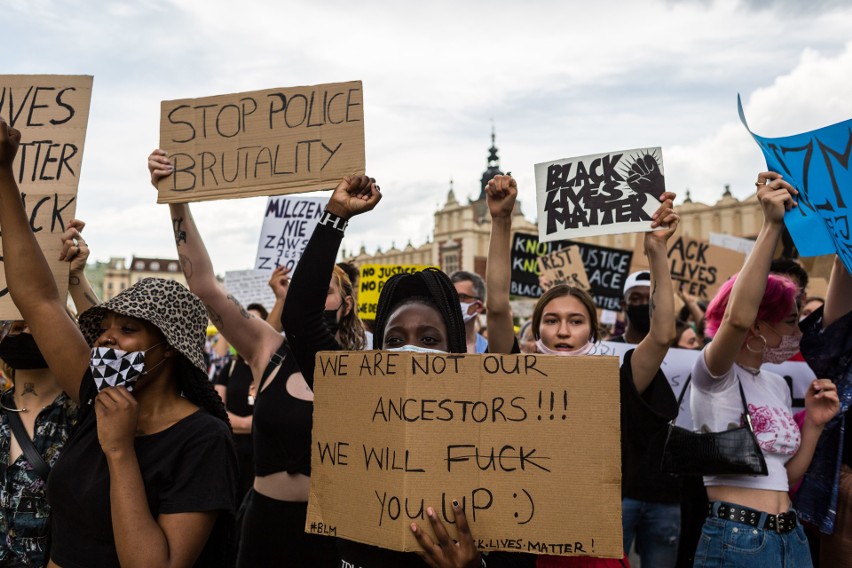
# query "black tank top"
(281, 430)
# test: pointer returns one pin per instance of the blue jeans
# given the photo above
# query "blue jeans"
(656, 527)
(726, 544)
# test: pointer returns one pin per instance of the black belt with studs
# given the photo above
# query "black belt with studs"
(783, 523)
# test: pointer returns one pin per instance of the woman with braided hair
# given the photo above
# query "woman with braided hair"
(148, 478)
(416, 312)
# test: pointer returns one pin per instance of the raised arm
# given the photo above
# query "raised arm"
(821, 405)
(76, 252)
(279, 282)
(776, 197)
(31, 283)
(500, 194)
(252, 337)
(649, 354)
(301, 318)
(838, 301)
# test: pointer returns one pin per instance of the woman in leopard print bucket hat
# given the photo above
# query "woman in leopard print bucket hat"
(149, 477)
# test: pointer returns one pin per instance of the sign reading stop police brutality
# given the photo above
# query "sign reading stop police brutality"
(52, 113)
(529, 445)
(271, 142)
(601, 194)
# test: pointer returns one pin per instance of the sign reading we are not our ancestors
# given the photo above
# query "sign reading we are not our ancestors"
(529, 445)
(272, 142)
(600, 194)
(52, 113)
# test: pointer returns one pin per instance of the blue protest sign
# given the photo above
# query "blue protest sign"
(817, 164)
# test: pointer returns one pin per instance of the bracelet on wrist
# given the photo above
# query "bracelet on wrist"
(329, 219)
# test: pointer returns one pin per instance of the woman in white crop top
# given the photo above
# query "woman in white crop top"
(754, 320)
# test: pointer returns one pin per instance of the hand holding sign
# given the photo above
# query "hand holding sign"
(9, 141)
(775, 196)
(666, 219)
(447, 553)
(159, 166)
(354, 195)
(500, 195)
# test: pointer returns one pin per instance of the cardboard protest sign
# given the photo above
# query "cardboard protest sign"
(600, 194)
(52, 113)
(606, 268)
(250, 287)
(738, 244)
(678, 364)
(817, 164)
(288, 225)
(564, 266)
(395, 433)
(372, 280)
(697, 267)
(271, 142)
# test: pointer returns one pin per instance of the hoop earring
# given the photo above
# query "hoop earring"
(763, 347)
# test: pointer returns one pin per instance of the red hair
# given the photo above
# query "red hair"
(779, 295)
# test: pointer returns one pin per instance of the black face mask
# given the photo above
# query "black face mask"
(21, 352)
(330, 317)
(640, 318)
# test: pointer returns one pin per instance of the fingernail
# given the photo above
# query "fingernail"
(430, 511)
(455, 504)
(413, 528)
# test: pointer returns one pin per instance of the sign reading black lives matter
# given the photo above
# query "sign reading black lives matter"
(52, 113)
(601, 194)
(606, 268)
(272, 142)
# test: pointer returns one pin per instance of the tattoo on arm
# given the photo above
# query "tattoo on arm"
(74, 280)
(215, 318)
(652, 304)
(186, 264)
(180, 235)
(92, 298)
(243, 311)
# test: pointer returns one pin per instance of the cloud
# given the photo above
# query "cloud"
(558, 79)
(816, 92)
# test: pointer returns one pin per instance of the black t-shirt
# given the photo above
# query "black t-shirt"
(189, 467)
(236, 377)
(644, 425)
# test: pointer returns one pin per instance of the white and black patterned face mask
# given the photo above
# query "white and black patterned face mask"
(116, 368)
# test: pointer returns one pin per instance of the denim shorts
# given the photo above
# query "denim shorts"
(728, 544)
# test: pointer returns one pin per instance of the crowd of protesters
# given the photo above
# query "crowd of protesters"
(172, 426)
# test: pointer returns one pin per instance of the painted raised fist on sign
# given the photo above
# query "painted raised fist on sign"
(645, 177)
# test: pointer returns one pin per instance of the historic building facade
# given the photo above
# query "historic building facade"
(462, 230)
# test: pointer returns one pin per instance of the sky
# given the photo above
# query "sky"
(556, 79)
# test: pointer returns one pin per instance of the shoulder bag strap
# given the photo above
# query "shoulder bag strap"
(20, 432)
(680, 397)
(746, 413)
(276, 359)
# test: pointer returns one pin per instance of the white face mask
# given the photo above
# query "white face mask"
(415, 349)
(545, 350)
(465, 307)
(115, 368)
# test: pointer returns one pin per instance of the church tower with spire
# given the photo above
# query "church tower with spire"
(461, 232)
